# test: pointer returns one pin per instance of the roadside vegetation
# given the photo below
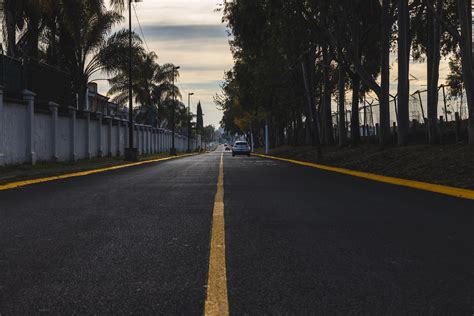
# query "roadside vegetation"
(323, 74)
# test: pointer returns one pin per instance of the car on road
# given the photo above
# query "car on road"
(241, 148)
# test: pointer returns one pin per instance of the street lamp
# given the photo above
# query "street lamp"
(173, 125)
(189, 122)
(131, 153)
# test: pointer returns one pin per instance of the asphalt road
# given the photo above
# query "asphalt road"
(298, 241)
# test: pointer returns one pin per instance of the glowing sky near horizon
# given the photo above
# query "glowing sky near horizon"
(187, 33)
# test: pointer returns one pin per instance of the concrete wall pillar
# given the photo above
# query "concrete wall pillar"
(160, 140)
(119, 130)
(139, 139)
(156, 141)
(145, 139)
(29, 97)
(72, 134)
(153, 140)
(88, 134)
(150, 140)
(109, 136)
(2, 130)
(100, 152)
(54, 130)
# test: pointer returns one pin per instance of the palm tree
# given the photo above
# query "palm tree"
(152, 86)
(84, 26)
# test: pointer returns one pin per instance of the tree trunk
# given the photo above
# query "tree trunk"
(342, 106)
(355, 124)
(385, 75)
(465, 17)
(326, 111)
(433, 61)
(10, 25)
(403, 72)
(312, 121)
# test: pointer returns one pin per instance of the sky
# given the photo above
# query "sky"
(187, 33)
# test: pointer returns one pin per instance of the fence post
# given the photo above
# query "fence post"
(441, 129)
(72, 134)
(100, 152)
(54, 130)
(88, 134)
(29, 97)
(458, 127)
(2, 131)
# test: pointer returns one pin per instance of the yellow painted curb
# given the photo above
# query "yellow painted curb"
(23, 183)
(442, 189)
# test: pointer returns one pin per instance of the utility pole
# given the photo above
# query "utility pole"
(131, 153)
(266, 137)
(189, 122)
(173, 123)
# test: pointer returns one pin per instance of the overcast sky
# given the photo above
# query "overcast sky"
(188, 33)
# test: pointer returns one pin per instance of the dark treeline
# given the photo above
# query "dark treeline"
(293, 56)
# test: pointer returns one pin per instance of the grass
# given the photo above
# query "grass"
(451, 165)
(15, 173)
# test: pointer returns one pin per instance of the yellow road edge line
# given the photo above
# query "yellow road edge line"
(217, 302)
(437, 188)
(23, 183)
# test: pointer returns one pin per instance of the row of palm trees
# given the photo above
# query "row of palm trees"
(75, 36)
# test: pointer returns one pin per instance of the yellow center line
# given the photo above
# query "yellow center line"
(437, 188)
(217, 302)
(18, 184)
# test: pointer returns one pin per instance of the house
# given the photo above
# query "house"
(97, 102)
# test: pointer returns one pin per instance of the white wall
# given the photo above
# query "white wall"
(68, 141)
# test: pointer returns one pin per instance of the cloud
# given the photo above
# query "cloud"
(167, 33)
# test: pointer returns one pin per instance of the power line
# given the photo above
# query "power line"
(140, 26)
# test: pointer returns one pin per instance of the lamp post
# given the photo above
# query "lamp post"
(131, 153)
(189, 122)
(173, 123)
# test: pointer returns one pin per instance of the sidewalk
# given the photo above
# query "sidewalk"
(10, 174)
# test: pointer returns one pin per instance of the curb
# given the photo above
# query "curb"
(24, 183)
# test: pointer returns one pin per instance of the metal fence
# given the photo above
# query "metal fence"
(47, 82)
(452, 116)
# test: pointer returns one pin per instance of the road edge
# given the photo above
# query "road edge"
(436, 188)
(23, 183)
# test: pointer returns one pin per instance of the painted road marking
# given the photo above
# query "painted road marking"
(19, 184)
(442, 189)
(217, 302)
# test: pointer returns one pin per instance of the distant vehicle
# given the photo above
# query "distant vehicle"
(241, 148)
(227, 148)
